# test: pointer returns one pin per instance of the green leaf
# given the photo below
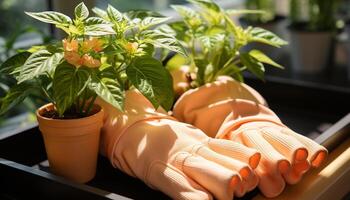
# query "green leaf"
(163, 40)
(261, 57)
(231, 70)
(95, 20)
(243, 12)
(39, 63)
(113, 14)
(180, 29)
(191, 17)
(148, 22)
(101, 13)
(99, 30)
(81, 11)
(253, 65)
(141, 14)
(208, 4)
(15, 95)
(264, 36)
(201, 65)
(152, 79)
(109, 90)
(14, 62)
(68, 82)
(211, 41)
(51, 17)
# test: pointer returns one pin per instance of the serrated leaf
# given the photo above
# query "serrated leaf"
(51, 17)
(264, 36)
(152, 79)
(148, 22)
(39, 63)
(253, 65)
(68, 81)
(81, 11)
(14, 62)
(99, 30)
(101, 13)
(113, 14)
(108, 89)
(141, 14)
(15, 95)
(261, 57)
(162, 40)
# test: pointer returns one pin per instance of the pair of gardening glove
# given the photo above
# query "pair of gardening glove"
(174, 157)
(227, 109)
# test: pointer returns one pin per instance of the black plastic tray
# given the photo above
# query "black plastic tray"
(308, 109)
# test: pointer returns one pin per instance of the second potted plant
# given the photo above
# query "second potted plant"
(312, 27)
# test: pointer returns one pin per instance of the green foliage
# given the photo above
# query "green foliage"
(268, 6)
(214, 42)
(68, 84)
(321, 14)
(150, 77)
(103, 56)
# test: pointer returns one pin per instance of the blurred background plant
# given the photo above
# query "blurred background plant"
(320, 15)
(265, 5)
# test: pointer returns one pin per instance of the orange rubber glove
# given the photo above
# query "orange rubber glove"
(220, 109)
(173, 157)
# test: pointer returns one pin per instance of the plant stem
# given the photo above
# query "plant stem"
(229, 61)
(91, 104)
(81, 109)
(48, 96)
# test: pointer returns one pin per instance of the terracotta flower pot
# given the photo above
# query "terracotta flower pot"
(72, 145)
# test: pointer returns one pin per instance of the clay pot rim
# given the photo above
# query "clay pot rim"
(69, 123)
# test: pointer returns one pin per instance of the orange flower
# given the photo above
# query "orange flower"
(92, 44)
(70, 46)
(131, 47)
(90, 61)
(73, 58)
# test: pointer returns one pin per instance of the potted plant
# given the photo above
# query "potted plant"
(312, 29)
(100, 57)
(267, 19)
(216, 44)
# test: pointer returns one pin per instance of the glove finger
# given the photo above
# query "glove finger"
(317, 153)
(270, 158)
(236, 151)
(220, 181)
(271, 183)
(247, 185)
(292, 149)
(297, 170)
(235, 165)
(287, 145)
(175, 183)
(248, 181)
